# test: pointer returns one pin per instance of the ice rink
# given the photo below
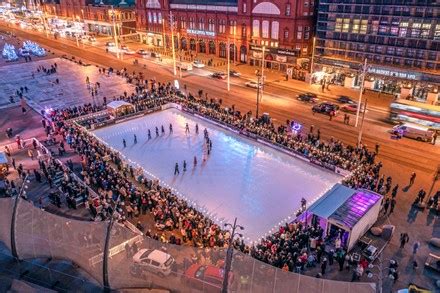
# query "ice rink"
(240, 178)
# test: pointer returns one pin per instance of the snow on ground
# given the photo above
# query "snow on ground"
(240, 178)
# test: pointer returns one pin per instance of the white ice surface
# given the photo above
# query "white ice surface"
(241, 178)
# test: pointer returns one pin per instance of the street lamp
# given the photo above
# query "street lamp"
(229, 253)
(258, 75)
(434, 180)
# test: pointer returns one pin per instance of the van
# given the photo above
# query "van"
(184, 66)
(414, 131)
(152, 260)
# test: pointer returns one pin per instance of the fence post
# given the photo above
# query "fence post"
(105, 256)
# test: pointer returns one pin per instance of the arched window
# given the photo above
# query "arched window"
(159, 16)
(256, 28)
(275, 30)
(149, 17)
(222, 52)
(265, 29)
(211, 47)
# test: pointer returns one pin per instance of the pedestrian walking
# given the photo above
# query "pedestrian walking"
(412, 179)
(404, 238)
(386, 205)
(416, 247)
(176, 169)
(393, 205)
(31, 154)
(377, 148)
(434, 137)
(324, 265)
(184, 165)
(124, 142)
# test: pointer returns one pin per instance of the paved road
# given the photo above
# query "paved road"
(278, 102)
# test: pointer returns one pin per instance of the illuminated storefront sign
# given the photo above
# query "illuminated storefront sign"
(394, 73)
(200, 33)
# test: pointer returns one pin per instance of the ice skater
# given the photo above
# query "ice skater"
(163, 130)
(135, 139)
(157, 131)
(197, 128)
(176, 169)
(149, 134)
(184, 165)
(205, 132)
(171, 128)
(124, 142)
(195, 161)
(186, 128)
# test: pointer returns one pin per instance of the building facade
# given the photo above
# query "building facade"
(399, 38)
(95, 16)
(283, 27)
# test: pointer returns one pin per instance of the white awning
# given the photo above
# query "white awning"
(331, 201)
(117, 104)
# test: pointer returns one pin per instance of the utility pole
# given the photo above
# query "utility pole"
(114, 31)
(229, 253)
(364, 71)
(312, 62)
(172, 42)
(229, 65)
(257, 73)
(262, 74)
(362, 123)
(434, 180)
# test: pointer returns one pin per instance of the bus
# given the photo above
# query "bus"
(402, 110)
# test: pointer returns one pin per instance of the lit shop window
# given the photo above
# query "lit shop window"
(154, 17)
(426, 28)
(149, 16)
(437, 32)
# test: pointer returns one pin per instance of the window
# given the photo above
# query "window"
(182, 22)
(256, 28)
(356, 25)
(364, 26)
(306, 32)
(375, 26)
(402, 32)
(426, 28)
(286, 35)
(149, 17)
(346, 25)
(201, 24)
(437, 32)
(222, 26)
(232, 27)
(244, 7)
(211, 25)
(154, 17)
(394, 31)
(159, 16)
(275, 30)
(288, 9)
(191, 23)
(265, 29)
(299, 33)
(338, 25)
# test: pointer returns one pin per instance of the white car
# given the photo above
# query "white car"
(152, 260)
(253, 84)
(110, 44)
(198, 64)
(127, 51)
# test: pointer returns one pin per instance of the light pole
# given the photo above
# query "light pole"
(229, 253)
(229, 66)
(258, 74)
(172, 43)
(114, 31)
(362, 123)
(434, 180)
(364, 71)
(312, 62)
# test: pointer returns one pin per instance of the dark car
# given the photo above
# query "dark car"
(234, 73)
(308, 97)
(326, 108)
(345, 100)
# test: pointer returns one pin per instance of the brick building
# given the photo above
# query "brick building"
(283, 27)
(97, 16)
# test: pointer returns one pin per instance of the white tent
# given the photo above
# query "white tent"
(116, 107)
(351, 211)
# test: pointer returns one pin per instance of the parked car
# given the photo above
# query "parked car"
(128, 51)
(219, 75)
(184, 66)
(110, 44)
(234, 73)
(352, 108)
(206, 277)
(326, 108)
(198, 64)
(92, 39)
(308, 97)
(155, 55)
(142, 52)
(414, 131)
(345, 100)
(253, 84)
(152, 260)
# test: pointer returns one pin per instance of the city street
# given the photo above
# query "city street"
(400, 158)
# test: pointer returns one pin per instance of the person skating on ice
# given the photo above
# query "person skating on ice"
(184, 165)
(171, 128)
(195, 161)
(149, 134)
(157, 131)
(186, 128)
(163, 130)
(135, 139)
(176, 169)
(197, 128)
(124, 142)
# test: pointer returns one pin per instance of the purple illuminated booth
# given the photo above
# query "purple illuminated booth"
(346, 214)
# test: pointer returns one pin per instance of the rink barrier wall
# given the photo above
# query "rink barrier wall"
(110, 254)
